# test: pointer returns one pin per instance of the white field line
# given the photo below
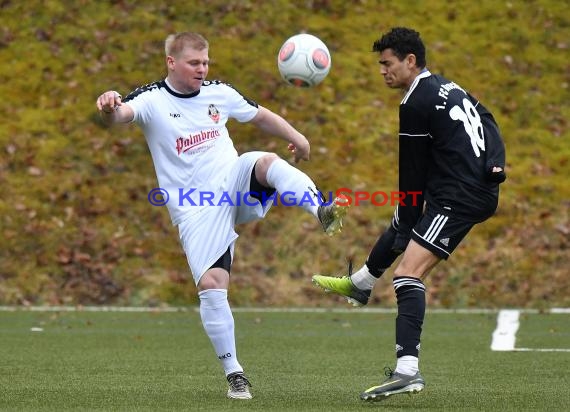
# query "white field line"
(170, 309)
(504, 336)
(540, 350)
(91, 309)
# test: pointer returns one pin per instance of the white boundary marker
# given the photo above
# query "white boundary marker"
(504, 336)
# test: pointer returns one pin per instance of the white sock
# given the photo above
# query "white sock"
(294, 186)
(407, 365)
(362, 279)
(218, 323)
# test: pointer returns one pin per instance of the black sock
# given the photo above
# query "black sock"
(382, 256)
(411, 297)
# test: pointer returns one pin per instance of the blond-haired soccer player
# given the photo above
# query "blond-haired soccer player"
(183, 118)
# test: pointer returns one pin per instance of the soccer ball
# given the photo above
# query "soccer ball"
(304, 60)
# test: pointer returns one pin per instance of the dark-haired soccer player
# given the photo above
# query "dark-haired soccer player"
(451, 151)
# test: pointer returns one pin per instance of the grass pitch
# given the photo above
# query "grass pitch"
(296, 361)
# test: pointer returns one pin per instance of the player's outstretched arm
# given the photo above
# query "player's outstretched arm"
(274, 124)
(112, 109)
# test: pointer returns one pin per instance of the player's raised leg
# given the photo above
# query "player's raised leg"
(272, 171)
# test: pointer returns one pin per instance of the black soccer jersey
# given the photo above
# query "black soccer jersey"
(448, 142)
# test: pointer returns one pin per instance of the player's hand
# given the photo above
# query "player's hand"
(109, 101)
(301, 151)
(496, 174)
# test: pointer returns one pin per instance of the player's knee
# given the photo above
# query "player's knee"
(415, 267)
(407, 270)
(265, 161)
(262, 166)
(215, 278)
(412, 266)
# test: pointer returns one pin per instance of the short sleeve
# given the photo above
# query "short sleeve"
(241, 108)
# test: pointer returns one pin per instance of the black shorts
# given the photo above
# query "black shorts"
(440, 232)
(224, 262)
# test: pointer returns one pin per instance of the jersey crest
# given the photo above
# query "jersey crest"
(214, 113)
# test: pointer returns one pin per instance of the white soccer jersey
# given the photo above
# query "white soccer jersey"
(188, 140)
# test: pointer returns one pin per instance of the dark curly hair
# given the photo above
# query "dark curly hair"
(402, 41)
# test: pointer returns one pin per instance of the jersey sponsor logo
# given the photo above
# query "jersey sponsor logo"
(214, 113)
(184, 144)
(175, 115)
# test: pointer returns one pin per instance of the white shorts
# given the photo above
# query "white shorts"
(206, 235)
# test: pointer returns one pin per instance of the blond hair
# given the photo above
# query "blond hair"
(176, 43)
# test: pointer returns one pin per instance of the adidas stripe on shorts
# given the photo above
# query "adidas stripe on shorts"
(440, 231)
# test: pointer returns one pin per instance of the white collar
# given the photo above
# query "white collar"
(423, 74)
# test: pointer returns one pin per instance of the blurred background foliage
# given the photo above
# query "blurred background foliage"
(76, 226)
